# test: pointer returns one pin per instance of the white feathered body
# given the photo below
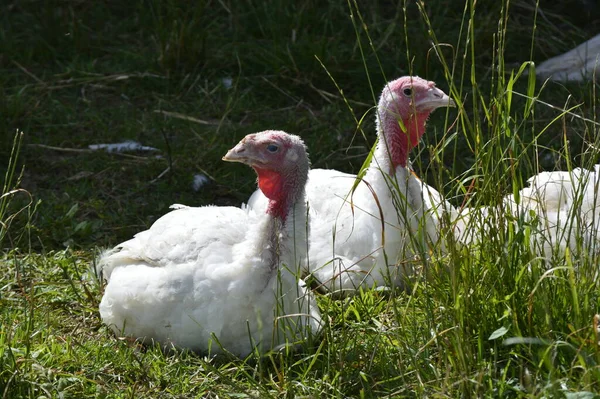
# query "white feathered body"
(579, 64)
(199, 272)
(371, 237)
(562, 210)
(369, 231)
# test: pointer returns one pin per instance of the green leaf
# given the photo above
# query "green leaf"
(498, 333)
(72, 211)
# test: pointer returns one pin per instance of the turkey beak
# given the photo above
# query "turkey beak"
(237, 153)
(241, 153)
(435, 98)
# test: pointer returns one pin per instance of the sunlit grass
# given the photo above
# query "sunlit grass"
(487, 320)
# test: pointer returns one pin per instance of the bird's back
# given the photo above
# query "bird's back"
(199, 236)
(561, 208)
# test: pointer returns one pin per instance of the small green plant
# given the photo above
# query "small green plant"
(9, 209)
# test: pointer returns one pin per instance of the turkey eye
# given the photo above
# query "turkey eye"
(407, 92)
(272, 148)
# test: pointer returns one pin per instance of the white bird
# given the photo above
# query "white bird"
(579, 64)
(221, 278)
(366, 236)
(560, 210)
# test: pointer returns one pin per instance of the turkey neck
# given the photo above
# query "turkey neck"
(394, 143)
(286, 226)
(390, 161)
(288, 242)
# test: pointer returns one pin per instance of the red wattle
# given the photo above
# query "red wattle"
(402, 142)
(271, 184)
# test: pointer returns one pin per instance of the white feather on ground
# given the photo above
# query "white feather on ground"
(199, 275)
(126, 146)
(200, 180)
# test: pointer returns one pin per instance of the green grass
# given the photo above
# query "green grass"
(482, 321)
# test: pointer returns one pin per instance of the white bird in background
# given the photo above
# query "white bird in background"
(579, 64)
(561, 210)
(213, 278)
(366, 236)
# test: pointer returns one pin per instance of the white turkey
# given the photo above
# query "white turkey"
(366, 237)
(221, 278)
(579, 64)
(560, 210)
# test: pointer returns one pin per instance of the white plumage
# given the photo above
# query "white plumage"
(561, 210)
(579, 64)
(224, 272)
(364, 237)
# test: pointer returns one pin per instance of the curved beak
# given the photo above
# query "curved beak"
(237, 153)
(433, 99)
(244, 152)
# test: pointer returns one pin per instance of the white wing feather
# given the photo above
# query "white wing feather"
(189, 277)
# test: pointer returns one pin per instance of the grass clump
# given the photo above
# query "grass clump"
(491, 319)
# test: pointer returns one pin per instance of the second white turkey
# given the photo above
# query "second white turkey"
(367, 230)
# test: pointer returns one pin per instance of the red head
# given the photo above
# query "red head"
(281, 163)
(403, 109)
